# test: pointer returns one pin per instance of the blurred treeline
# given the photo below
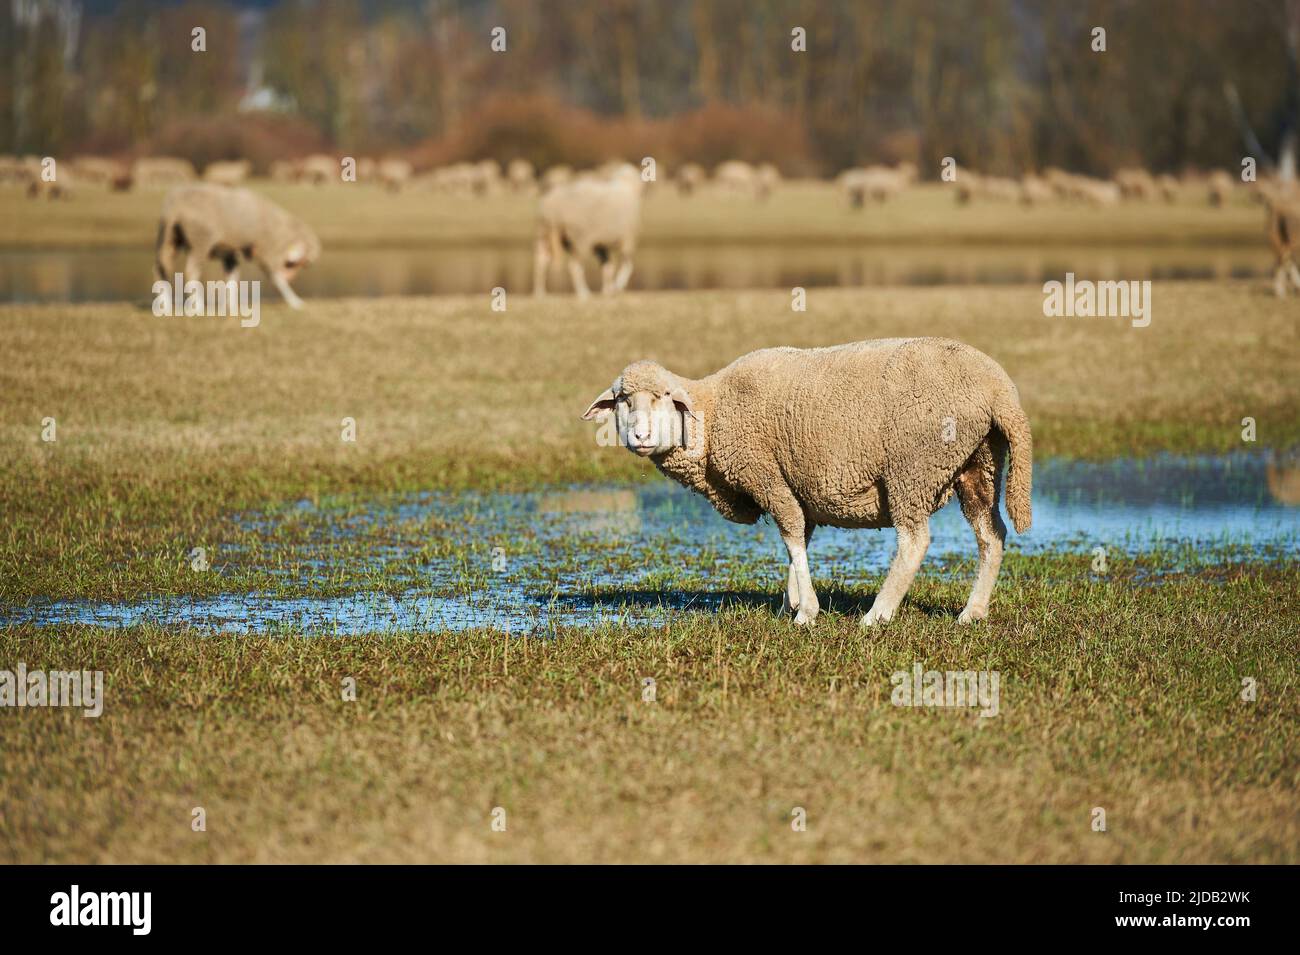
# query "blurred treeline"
(1002, 85)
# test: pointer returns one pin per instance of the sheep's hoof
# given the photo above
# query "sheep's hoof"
(973, 614)
(877, 615)
(805, 619)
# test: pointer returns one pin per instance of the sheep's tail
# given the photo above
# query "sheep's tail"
(1011, 420)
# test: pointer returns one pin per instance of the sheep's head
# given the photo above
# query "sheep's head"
(652, 408)
(300, 250)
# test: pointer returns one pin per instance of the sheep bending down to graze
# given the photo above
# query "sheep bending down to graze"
(597, 215)
(220, 222)
(872, 434)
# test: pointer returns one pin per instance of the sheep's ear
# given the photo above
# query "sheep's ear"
(601, 406)
(683, 402)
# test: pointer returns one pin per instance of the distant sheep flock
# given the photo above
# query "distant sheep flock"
(859, 186)
(596, 213)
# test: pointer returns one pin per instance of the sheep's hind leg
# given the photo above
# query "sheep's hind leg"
(913, 542)
(790, 600)
(977, 492)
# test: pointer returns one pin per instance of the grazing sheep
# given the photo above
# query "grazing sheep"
(736, 178)
(521, 176)
(393, 174)
(872, 434)
(99, 171)
(155, 172)
(60, 188)
(1035, 191)
(227, 173)
(1219, 187)
(1168, 187)
(487, 177)
(853, 183)
(690, 176)
(318, 169)
(556, 176)
(878, 183)
(225, 223)
(1136, 184)
(591, 214)
(767, 178)
(1283, 233)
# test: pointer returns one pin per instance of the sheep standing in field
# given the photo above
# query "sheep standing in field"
(1136, 184)
(521, 176)
(689, 177)
(1218, 188)
(1167, 186)
(590, 215)
(100, 171)
(556, 176)
(225, 173)
(154, 172)
(393, 174)
(219, 222)
(1034, 191)
(872, 434)
(736, 177)
(319, 169)
(1283, 234)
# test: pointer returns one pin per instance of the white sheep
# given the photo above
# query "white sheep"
(872, 434)
(590, 215)
(207, 221)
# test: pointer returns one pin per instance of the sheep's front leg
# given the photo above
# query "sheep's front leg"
(913, 542)
(579, 278)
(624, 273)
(793, 534)
(790, 602)
(288, 294)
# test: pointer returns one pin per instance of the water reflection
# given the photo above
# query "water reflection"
(126, 275)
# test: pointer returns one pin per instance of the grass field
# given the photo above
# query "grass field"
(365, 216)
(1115, 693)
(1112, 696)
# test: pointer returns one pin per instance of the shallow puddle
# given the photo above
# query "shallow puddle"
(587, 555)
